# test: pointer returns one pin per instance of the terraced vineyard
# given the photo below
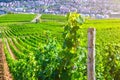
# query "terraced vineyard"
(35, 51)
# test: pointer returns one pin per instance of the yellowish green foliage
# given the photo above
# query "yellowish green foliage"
(70, 35)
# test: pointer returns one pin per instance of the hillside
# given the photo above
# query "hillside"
(35, 51)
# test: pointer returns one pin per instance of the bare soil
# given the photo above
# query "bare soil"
(4, 69)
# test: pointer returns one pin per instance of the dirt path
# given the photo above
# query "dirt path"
(8, 47)
(4, 70)
(37, 17)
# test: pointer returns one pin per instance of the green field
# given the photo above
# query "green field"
(16, 18)
(49, 17)
(39, 53)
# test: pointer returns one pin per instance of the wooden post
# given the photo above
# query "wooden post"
(91, 54)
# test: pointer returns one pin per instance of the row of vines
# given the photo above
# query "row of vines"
(53, 55)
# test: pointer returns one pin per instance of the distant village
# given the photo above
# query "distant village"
(89, 8)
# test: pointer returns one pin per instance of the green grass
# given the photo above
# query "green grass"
(16, 18)
(102, 23)
(51, 17)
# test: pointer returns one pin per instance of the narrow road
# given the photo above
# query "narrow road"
(37, 17)
(4, 69)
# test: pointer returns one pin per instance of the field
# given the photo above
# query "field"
(16, 18)
(34, 51)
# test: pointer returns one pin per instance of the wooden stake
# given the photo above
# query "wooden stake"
(91, 54)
